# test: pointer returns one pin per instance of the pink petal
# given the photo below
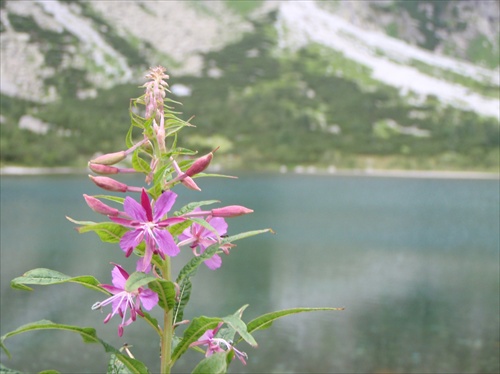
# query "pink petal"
(166, 243)
(214, 262)
(119, 276)
(146, 204)
(134, 209)
(219, 224)
(163, 205)
(114, 290)
(148, 299)
(186, 234)
(170, 221)
(123, 221)
(144, 263)
(131, 239)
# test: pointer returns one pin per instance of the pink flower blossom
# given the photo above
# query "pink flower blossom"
(148, 225)
(122, 300)
(215, 345)
(199, 236)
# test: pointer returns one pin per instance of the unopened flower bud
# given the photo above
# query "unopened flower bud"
(99, 207)
(103, 169)
(230, 211)
(110, 158)
(109, 184)
(200, 164)
(189, 183)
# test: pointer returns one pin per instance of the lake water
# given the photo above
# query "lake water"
(415, 262)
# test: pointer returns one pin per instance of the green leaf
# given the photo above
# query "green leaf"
(138, 279)
(211, 175)
(239, 326)
(214, 364)
(49, 372)
(115, 366)
(184, 295)
(153, 322)
(140, 164)
(196, 328)
(184, 151)
(178, 228)
(116, 199)
(128, 138)
(109, 232)
(82, 223)
(192, 206)
(244, 235)
(45, 277)
(88, 335)
(166, 293)
(190, 268)
(265, 321)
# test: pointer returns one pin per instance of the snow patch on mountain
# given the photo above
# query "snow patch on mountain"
(100, 52)
(303, 22)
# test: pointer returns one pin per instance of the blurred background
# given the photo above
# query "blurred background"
(365, 133)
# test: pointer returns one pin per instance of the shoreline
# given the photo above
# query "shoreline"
(383, 173)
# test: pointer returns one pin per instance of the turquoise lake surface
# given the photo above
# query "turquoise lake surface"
(415, 263)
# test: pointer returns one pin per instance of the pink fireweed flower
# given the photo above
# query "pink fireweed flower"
(199, 236)
(122, 300)
(214, 345)
(148, 225)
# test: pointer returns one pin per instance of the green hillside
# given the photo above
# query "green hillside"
(265, 108)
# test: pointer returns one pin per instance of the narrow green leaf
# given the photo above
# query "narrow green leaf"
(128, 138)
(166, 293)
(178, 228)
(82, 223)
(153, 322)
(45, 277)
(140, 164)
(190, 268)
(192, 206)
(244, 235)
(196, 328)
(116, 199)
(108, 232)
(184, 296)
(88, 335)
(264, 321)
(184, 151)
(214, 364)
(115, 366)
(138, 279)
(49, 372)
(212, 175)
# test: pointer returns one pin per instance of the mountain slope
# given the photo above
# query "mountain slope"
(276, 83)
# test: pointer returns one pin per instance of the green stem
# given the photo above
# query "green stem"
(166, 339)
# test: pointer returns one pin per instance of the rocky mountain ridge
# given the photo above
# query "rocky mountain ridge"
(108, 42)
(409, 83)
